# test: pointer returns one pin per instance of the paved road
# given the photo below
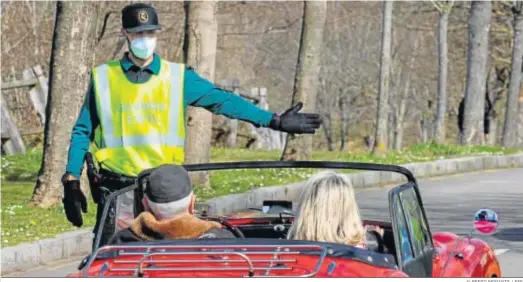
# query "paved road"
(450, 203)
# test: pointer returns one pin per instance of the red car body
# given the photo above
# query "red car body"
(456, 256)
(263, 252)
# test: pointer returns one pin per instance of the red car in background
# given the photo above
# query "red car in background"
(407, 249)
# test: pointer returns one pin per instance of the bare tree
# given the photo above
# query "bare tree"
(404, 97)
(344, 126)
(257, 43)
(479, 27)
(201, 38)
(439, 130)
(396, 99)
(307, 76)
(73, 41)
(511, 112)
(25, 43)
(345, 98)
(382, 116)
(324, 108)
(496, 88)
(520, 115)
(500, 49)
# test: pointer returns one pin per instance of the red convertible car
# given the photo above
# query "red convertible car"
(408, 248)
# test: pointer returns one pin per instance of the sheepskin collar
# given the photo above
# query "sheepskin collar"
(187, 226)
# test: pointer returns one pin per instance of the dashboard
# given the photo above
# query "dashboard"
(278, 228)
(266, 227)
(270, 231)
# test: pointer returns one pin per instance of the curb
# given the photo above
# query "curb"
(78, 243)
(29, 255)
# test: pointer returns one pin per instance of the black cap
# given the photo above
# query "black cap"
(168, 183)
(139, 17)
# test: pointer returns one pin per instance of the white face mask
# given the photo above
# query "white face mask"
(143, 47)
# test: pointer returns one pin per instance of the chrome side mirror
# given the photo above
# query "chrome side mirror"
(486, 221)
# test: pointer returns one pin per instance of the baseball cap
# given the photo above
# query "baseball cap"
(140, 17)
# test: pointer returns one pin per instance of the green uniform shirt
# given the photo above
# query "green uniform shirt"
(198, 92)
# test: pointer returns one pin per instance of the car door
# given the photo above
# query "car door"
(414, 246)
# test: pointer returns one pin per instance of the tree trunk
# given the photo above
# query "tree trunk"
(440, 132)
(492, 136)
(520, 116)
(402, 98)
(427, 118)
(72, 58)
(342, 103)
(495, 86)
(381, 142)
(306, 83)
(400, 117)
(423, 131)
(394, 100)
(511, 112)
(121, 48)
(479, 27)
(201, 37)
(327, 128)
(391, 127)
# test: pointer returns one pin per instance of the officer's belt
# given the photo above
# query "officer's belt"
(113, 176)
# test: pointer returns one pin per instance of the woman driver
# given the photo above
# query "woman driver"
(328, 212)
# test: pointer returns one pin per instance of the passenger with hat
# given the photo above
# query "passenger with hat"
(169, 206)
(135, 110)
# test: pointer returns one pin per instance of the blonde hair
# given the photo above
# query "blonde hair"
(328, 211)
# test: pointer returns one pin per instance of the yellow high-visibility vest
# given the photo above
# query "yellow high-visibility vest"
(141, 125)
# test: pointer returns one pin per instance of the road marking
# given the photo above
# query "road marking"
(498, 252)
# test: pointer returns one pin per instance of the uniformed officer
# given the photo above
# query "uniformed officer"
(134, 114)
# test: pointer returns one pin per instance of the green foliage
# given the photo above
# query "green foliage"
(21, 223)
(21, 167)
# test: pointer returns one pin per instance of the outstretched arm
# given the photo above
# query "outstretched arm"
(200, 92)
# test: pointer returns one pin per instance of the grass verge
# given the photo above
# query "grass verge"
(21, 223)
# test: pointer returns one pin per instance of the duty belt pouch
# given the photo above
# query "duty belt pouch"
(94, 178)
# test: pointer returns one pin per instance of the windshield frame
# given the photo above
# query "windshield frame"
(262, 165)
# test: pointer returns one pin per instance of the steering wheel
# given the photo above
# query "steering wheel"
(237, 232)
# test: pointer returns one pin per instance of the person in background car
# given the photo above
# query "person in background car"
(328, 212)
(169, 206)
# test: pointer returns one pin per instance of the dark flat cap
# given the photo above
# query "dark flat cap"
(168, 183)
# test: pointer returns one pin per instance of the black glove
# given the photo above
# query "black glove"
(74, 201)
(296, 123)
